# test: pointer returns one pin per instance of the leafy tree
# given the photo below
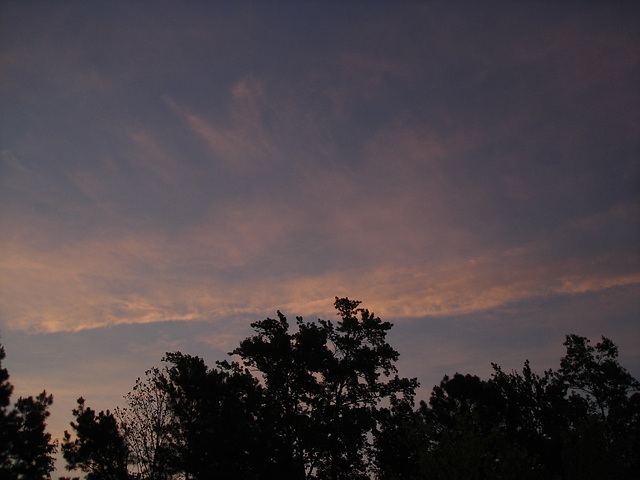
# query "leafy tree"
(463, 395)
(606, 439)
(26, 449)
(34, 449)
(353, 386)
(400, 440)
(594, 372)
(537, 414)
(99, 448)
(466, 418)
(327, 381)
(288, 364)
(463, 432)
(186, 421)
(580, 422)
(219, 428)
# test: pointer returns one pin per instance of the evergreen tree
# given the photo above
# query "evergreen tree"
(26, 449)
(99, 448)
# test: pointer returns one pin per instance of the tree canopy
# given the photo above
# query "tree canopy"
(579, 422)
(26, 448)
(323, 400)
(327, 380)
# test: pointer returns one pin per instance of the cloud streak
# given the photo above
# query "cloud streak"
(221, 269)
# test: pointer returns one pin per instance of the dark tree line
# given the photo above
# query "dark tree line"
(322, 400)
(305, 402)
(580, 422)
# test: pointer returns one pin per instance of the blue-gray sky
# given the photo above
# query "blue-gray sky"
(172, 171)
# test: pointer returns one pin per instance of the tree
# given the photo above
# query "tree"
(595, 373)
(400, 441)
(146, 422)
(289, 364)
(7, 418)
(99, 448)
(537, 414)
(606, 438)
(220, 427)
(581, 422)
(470, 439)
(353, 386)
(26, 449)
(327, 381)
(185, 421)
(34, 449)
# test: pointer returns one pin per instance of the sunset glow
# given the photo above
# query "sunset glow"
(173, 171)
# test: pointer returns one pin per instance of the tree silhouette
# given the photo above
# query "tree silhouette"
(607, 434)
(7, 421)
(322, 400)
(594, 373)
(580, 422)
(26, 449)
(537, 415)
(287, 363)
(146, 422)
(219, 428)
(327, 380)
(99, 448)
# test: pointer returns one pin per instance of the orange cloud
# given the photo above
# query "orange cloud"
(136, 280)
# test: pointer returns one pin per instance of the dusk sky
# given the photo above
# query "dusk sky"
(173, 171)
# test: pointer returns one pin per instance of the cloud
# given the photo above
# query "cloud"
(159, 159)
(435, 184)
(404, 225)
(243, 144)
(232, 268)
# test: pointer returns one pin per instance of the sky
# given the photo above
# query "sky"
(172, 171)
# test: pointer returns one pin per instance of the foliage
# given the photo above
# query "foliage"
(220, 420)
(327, 380)
(322, 400)
(594, 371)
(577, 423)
(287, 363)
(457, 434)
(607, 433)
(99, 448)
(26, 449)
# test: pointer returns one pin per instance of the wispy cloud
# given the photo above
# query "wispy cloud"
(233, 268)
(429, 173)
(242, 143)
